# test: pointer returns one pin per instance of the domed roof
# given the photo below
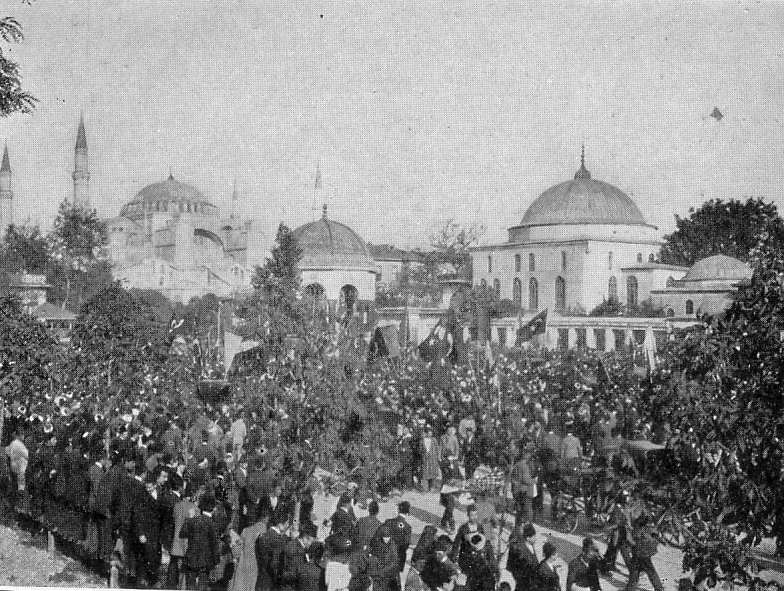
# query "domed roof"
(326, 243)
(718, 268)
(583, 200)
(159, 197)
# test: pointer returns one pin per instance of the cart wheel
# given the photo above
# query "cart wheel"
(671, 532)
(566, 517)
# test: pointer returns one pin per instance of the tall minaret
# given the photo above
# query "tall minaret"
(6, 195)
(81, 173)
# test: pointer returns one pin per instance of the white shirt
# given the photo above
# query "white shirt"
(337, 575)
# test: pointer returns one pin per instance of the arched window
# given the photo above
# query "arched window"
(612, 290)
(689, 307)
(670, 281)
(639, 257)
(532, 262)
(315, 291)
(609, 261)
(489, 263)
(631, 290)
(517, 292)
(348, 298)
(651, 258)
(533, 294)
(497, 288)
(563, 260)
(518, 263)
(560, 294)
(670, 312)
(483, 283)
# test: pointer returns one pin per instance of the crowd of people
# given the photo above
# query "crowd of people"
(210, 487)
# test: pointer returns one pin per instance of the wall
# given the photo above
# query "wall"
(333, 280)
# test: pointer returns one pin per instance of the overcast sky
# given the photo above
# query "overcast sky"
(416, 111)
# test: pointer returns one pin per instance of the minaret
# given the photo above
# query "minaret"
(81, 173)
(234, 198)
(6, 194)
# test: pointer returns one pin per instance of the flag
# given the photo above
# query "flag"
(232, 346)
(427, 347)
(602, 377)
(489, 355)
(317, 183)
(537, 325)
(716, 114)
(404, 334)
(649, 345)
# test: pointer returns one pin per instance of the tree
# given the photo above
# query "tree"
(450, 247)
(25, 250)
(80, 269)
(12, 98)
(731, 228)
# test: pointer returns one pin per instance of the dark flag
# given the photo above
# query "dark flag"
(716, 114)
(427, 348)
(537, 325)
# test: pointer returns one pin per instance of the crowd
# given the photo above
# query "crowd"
(210, 487)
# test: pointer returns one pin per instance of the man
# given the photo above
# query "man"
(462, 542)
(343, 518)
(183, 510)
(270, 548)
(239, 431)
(18, 456)
(438, 568)
(240, 480)
(620, 533)
(571, 447)
(366, 527)
(522, 562)
(547, 574)
(470, 452)
(383, 560)
(295, 556)
(523, 488)
(401, 532)
(132, 491)
(147, 530)
(414, 578)
(584, 569)
(203, 552)
(481, 572)
(646, 544)
(98, 536)
(269, 503)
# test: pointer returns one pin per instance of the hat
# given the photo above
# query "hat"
(404, 508)
(477, 541)
(442, 544)
(346, 497)
(339, 543)
(529, 530)
(309, 529)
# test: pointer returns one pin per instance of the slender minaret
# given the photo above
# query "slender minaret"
(234, 198)
(6, 195)
(81, 173)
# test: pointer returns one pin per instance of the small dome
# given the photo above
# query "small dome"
(583, 200)
(168, 196)
(326, 244)
(718, 268)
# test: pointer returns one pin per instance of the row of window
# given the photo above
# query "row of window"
(620, 338)
(518, 261)
(186, 207)
(533, 292)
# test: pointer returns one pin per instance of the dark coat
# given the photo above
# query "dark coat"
(293, 561)
(130, 492)
(364, 530)
(582, 574)
(203, 552)
(95, 475)
(521, 563)
(461, 545)
(401, 534)
(166, 502)
(480, 572)
(342, 522)
(383, 565)
(270, 549)
(547, 578)
(311, 577)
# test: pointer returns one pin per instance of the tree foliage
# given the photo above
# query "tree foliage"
(450, 247)
(731, 228)
(25, 250)
(13, 99)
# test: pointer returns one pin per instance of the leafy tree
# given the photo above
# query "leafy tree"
(731, 228)
(25, 250)
(450, 247)
(12, 98)
(80, 269)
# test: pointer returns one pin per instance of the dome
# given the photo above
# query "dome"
(329, 244)
(583, 200)
(168, 196)
(718, 268)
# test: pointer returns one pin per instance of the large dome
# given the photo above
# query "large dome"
(168, 196)
(583, 200)
(718, 268)
(327, 244)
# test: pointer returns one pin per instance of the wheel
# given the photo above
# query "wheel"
(672, 533)
(566, 516)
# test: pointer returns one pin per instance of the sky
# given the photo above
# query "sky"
(415, 111)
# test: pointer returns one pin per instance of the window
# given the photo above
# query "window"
(660, 340)
(497, 288)
(689, 307)
(609, 261)
(582, 338)
(517, 292)
(670, 312)
(612, 290)
(518, 263)
(502, 335)
(639, 257)
(563, 338)
(631, 291)
(599, 335)
(651, 258)
(560, 294)
(670, 281)
(533, 294)
(532, 262)
(489, 263)
(563, 260)
(620, 338)
(483, 283)
(639, 337)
